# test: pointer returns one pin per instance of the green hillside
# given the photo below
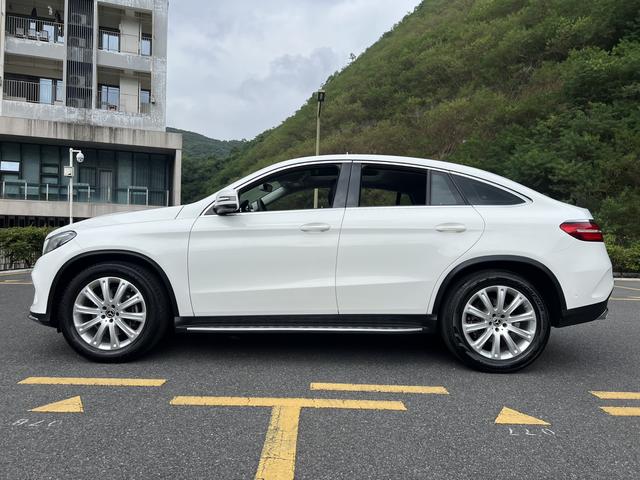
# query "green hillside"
(543, 91)
(196, 145)
(202, 157)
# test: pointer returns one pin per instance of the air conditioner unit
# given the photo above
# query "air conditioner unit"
(78, 42)
(77, 80)
(78, 18)
(76, 102)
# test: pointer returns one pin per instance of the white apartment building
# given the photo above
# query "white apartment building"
(89, 75)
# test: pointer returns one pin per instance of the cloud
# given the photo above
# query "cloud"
(239, 68)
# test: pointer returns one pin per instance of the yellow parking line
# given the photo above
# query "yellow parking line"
(288, 402)
(627, 288)
(15, 282)
(622, 411)
(278, 458)
(616, 395)
(356, 387)
(626, 299)
(99, 382)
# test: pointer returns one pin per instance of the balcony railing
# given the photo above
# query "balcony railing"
(35, 29)
(123, 102)
(83, 193)
(49, 93)
(111, 41)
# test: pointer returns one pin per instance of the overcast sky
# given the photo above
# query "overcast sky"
(239, 67)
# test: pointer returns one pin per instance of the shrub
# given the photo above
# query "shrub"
(23, 244)
(624, 258)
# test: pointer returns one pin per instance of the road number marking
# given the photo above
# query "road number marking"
(355, 387)
(278, 458)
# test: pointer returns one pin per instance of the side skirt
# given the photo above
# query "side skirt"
(309, 323)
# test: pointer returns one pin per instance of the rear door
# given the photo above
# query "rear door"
(403, 226)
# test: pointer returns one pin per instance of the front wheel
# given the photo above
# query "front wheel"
(495, 321)
(114, 312)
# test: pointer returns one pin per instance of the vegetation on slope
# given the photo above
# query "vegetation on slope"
(542, 91)
(201, 158)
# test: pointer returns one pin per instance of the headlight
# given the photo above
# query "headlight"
(57, 240)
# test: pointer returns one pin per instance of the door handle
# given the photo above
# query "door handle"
(315, 227)
(451, 227)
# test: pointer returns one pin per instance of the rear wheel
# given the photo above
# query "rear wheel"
(495, 321)
(114, 312)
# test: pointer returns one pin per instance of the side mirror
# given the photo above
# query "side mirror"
(226, 202)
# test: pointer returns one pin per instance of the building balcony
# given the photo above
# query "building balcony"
(121, 102)
(45, 92)
(35, 29)
(110, 40)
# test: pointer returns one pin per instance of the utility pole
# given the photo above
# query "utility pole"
(69, 172)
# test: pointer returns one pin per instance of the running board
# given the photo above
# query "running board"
(307, 329)
(308, 323)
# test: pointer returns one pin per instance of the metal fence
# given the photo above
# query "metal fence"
(7, 264)
(83, 193)
(35, 29)
(24, 91)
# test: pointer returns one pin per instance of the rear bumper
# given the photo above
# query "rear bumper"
(588, 313)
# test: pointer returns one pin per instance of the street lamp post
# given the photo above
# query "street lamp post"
(321, 95)
(69, 172)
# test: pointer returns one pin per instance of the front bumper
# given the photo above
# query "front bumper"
(588, 313)
(41, 318)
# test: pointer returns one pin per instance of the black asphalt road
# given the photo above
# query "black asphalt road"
(134, 433)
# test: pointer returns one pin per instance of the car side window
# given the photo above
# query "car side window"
(442, 191)
(480, 193)
(299, 188)
(382, 186)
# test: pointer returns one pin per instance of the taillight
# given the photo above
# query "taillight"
(588, 231)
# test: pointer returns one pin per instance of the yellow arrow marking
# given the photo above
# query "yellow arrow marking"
(278, 458)
(355, 387)
(70, 405)
(617, 395)
(508, 416)
(622, 411)
(99, 382)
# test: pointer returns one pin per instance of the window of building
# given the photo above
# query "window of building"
(382, 186)
(9, 166)
(109, 40)
(480, 193)
(109, 97)
(443, 191)
(145, 45)
(300, 188)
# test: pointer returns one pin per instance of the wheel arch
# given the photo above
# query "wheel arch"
(532, 270)
(79, 262)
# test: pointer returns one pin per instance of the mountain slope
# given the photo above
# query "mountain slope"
(196, 145)
(544, 92)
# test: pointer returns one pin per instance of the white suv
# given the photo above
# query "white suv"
(348, 243)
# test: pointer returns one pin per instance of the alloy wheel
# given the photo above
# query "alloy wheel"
(109, 313)
(499, 322)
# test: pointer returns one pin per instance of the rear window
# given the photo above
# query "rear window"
(480, 193)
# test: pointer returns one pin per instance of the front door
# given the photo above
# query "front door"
(402, 228)
(278, 255)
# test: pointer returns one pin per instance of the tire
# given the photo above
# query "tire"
(137, 328)
(473, 342)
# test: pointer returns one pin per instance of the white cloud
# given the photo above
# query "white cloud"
(237, 68)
